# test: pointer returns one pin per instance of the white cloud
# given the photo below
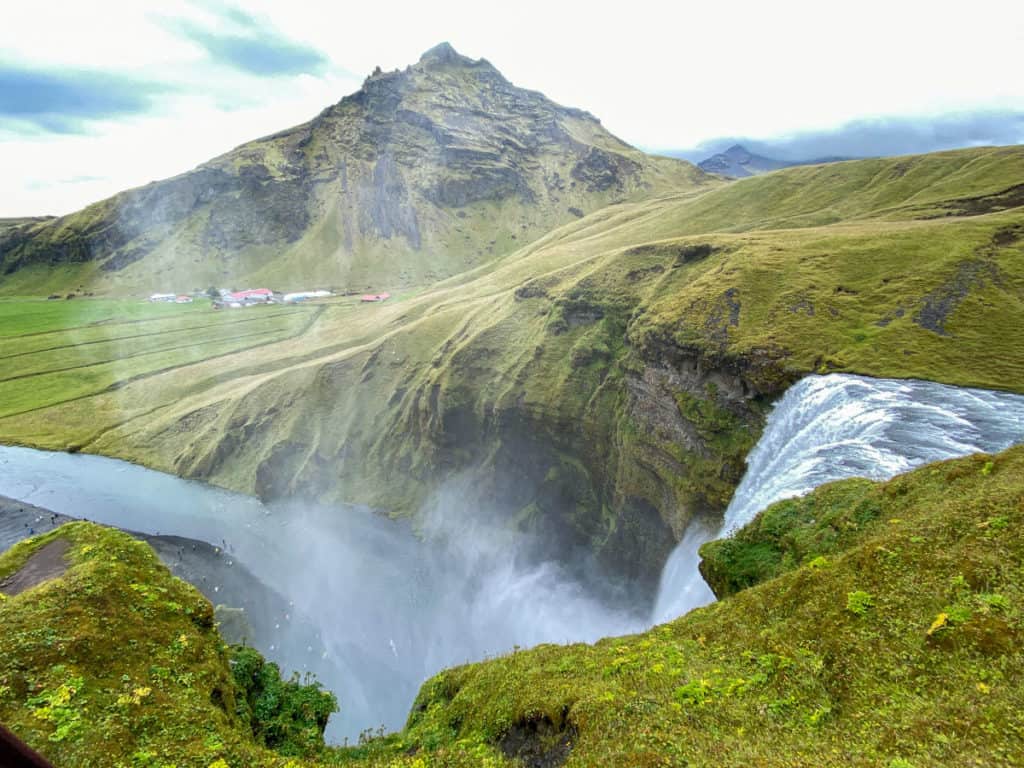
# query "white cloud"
(658, 75)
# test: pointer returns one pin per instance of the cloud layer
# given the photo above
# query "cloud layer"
(880, 136)
(251, 46)
(65, 101)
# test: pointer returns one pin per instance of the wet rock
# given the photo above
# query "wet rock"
(938, 305)
(536, 742)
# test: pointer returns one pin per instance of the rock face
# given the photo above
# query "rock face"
(419, 175)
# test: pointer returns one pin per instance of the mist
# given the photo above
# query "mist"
(393, 608)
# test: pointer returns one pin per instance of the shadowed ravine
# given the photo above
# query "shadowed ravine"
(374, 610)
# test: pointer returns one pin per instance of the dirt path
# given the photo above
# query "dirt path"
(46, 563)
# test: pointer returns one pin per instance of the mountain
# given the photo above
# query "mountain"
(419, 175)
(738, 162)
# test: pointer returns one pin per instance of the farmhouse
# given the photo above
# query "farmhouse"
(252, 295)
(370, 297)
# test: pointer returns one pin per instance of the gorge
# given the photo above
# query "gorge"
(375, 608)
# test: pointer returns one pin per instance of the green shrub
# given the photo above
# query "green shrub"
(859, 602)
(288, 716)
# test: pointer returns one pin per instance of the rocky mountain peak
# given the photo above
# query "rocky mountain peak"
(443, 53)
(737, 152)
(394, 184)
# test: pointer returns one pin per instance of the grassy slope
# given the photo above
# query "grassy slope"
(901, 646)
(617, 365)
(118, 663)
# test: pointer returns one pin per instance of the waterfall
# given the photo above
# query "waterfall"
(837, 426)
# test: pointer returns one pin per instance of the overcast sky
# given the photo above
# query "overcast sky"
(96, 97)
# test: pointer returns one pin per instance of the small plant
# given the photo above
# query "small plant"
(859, 602)
(818, 716)
(694, 692)
(56, 707)
(941, 622)
(993, 602)
(286, 715)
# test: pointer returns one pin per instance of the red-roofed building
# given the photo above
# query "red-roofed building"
(254, 294)
(376, 297)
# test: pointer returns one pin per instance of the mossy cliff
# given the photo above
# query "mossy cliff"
(883, 628)
(604, 383)
(421, 174)
(112, 661)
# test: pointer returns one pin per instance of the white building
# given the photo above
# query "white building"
(303, 295)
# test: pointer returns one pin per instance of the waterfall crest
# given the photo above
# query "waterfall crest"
(837, 426)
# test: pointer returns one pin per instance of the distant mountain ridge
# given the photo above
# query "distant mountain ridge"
(738, 162)
(421, 174)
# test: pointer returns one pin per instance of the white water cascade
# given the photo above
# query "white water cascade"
(832, 427)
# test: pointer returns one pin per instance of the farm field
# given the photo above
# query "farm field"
(53, 352)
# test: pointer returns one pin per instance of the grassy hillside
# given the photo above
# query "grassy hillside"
(608, 379)
(421, 174)
(891, 635)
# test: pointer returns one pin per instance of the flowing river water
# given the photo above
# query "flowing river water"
(373, 609)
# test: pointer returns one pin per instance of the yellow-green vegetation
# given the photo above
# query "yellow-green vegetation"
(609, 378)
(115, 662)
(791, 533)
(899, 646)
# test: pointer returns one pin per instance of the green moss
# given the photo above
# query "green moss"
(286, 715)
(116, 662)
(790, 533)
